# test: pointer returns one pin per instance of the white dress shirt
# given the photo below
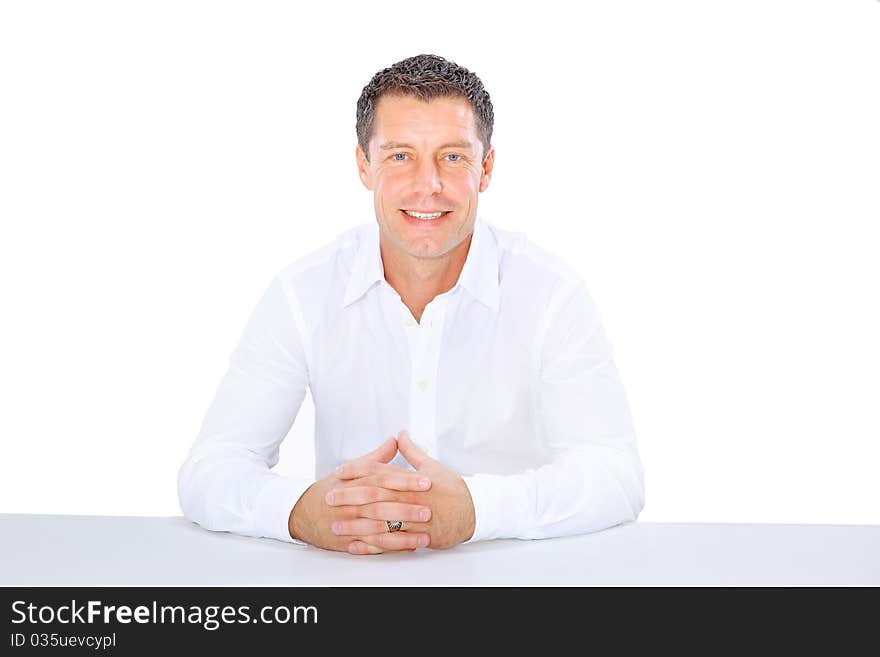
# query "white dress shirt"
(508, 380)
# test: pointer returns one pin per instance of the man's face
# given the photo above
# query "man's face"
(425, 157)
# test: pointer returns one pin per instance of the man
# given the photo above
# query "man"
(486, 350)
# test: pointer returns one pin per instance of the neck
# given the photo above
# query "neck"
(419, 280)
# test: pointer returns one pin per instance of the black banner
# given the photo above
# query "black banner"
(142, 620)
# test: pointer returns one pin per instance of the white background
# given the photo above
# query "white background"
(711, 168)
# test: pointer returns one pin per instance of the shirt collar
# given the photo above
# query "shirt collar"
(367, 269)
(479, 275)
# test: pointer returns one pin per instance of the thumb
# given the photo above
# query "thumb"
(415, 456)
(384, 452)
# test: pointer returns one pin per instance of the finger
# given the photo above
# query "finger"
(359, 547)
(411, 452)
(366, 526)
(361, 468)
(356, 495)
(396, 541)
(400, 481)
(358, 527)
(390, 511)
(383, 453)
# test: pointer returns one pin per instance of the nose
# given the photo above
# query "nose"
(428, 177)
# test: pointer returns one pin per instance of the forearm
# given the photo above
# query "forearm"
(596, 479)
(584, 490)
(230, 489)
(226, 483)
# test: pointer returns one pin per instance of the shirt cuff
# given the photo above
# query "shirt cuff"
(499, 504)
(274, 504)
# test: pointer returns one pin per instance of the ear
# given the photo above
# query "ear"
(488, 165)
(363, 167)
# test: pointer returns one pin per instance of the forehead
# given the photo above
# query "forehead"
(397, 117)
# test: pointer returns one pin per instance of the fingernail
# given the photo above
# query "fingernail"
(424, 483)
(423, 540)
(338, 471)
(424, 514)
(336, 527)
(329, 497)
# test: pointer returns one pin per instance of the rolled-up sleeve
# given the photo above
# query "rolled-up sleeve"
(226, 482)
(595, 479)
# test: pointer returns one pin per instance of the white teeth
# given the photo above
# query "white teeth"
(420, 215)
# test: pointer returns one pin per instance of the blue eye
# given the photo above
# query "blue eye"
(454, 155)
(395, 156)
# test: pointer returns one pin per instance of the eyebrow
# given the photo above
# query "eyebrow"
(453, 144)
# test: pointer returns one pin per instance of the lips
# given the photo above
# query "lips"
(424, 211)
(426, 222)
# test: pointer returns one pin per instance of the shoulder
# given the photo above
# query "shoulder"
(313, 279)
(328, 260)
(526, 265)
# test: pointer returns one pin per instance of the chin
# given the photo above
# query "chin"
(423, 250)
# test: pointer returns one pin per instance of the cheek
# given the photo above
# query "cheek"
(470, 179)
(467, 187)
(388, 187)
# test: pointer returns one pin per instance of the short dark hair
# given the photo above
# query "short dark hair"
(425, 77)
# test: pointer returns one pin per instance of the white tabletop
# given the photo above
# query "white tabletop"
(56, 550)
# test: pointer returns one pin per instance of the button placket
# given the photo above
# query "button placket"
(423, 391)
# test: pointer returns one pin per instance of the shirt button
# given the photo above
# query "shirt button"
(409, 322)
(423, 384)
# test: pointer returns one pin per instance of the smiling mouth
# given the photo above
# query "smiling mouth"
(426, 216)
